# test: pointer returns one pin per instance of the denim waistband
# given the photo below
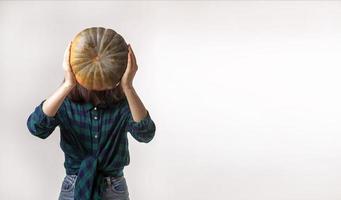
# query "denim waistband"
(107, 179)
(113, 173)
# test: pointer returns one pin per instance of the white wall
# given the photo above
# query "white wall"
(245, 96)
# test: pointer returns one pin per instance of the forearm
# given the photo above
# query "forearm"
(138, 111)
(52, 104)
(140, 124)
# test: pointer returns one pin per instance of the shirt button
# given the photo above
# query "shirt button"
(95, 117)
(95, 136)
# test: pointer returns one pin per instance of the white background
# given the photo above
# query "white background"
(245, 96)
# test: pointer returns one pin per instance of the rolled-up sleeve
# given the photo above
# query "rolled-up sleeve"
(41, 125)
(143, 130)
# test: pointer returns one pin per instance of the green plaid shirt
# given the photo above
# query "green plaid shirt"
(93, 139)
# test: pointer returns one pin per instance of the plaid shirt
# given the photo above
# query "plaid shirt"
(93, 139)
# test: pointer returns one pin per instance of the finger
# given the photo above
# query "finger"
(131, 50)
(67, 51)
(133, 57)
(129, 59)
(67, 57)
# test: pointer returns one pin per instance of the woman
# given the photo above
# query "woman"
(93, 131)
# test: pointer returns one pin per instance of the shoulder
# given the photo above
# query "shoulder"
(123, 106)
(66, 105)
(67, 102)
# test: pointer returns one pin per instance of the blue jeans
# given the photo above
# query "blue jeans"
(116, 188)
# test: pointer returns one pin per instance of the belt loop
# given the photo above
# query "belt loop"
(108, 180)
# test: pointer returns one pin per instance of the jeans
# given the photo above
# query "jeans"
(116, 188)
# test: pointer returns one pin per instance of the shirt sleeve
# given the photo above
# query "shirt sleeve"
(143, 130)
(41, 125)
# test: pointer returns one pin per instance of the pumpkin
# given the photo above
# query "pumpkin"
(98, 58)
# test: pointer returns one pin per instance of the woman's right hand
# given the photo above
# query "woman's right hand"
(70, 79)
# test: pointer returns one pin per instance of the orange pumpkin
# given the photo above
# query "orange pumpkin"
(98, 58)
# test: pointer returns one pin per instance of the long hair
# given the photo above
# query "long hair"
(80, 94)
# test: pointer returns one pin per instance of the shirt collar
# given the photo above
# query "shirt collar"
(89, 106)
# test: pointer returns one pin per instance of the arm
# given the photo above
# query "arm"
(46, 117)
(139, 123)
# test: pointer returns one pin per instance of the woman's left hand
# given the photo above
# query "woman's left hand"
(128, 76)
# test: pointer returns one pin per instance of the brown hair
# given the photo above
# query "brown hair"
(80, 94)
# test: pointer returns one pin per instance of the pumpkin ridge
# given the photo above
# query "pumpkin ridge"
(82, 54)
(114, 48)
(81, 62)
(103, 77)
(107, 40)
(102, 41)
(114, 54)
(100, 36)
(81, 67)
(109, 43)
(93, 37)
(92, 51)
(99, 81)
(91, 77)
